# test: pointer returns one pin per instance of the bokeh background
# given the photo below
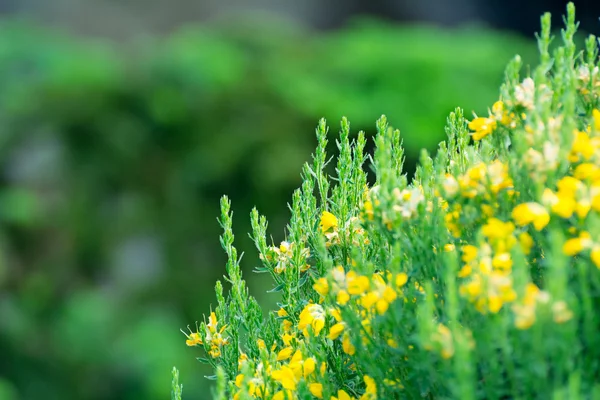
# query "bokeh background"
(123, 122)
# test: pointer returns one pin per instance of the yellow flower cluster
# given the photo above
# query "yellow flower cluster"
(350, 232)
(484, 126)
(212, 336)
(367, 292)
(487, 268)
(283, 255)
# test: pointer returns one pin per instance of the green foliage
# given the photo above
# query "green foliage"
(477, 279)
(113, 159)
(176, 388)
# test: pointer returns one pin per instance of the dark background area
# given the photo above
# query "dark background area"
(124, 18)
(122, 123)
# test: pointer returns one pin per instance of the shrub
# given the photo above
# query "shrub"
(113, 159)
(478, 279)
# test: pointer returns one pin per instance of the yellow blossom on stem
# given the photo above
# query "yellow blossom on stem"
(285, 353)
(342, 395)
(576, 245)
(596, 117)
(282, 313)
(528, 213)
(449, 247)
(193, 339)
(316, 389)
(497, 229)
(336, 330)
(371, 390)
(314, 316)
(526, 242)
(582, 147)
(500, 113)
(283, 395)
(482, 127)
(595, 256)
(285, 376)
(586, 171)
(469, 253)
(401, 280)
(368, 209)
(328, 221)
(357, 284)
(321, 286)
(347, 345)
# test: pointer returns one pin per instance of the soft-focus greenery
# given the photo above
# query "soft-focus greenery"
(113, 158)
(477, 279)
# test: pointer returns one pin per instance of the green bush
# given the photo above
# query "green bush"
(113, 159)
(477, 279)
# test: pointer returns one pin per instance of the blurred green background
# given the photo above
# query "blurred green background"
(113, 156)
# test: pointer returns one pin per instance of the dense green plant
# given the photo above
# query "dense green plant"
(113, 158)
(479, 279)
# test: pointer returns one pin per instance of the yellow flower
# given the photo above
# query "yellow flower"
(347, 345)
(357, 284)
(212, 324)
(576, 245)
(581, 147)
(595, 256)
(314, 316)
(482, 126)
(286, 325)
(497, 229)
(242, 359)
(500, 113)
(328, 221)
(309, 366)
(342, 395)
(301, 367)
(239, 380)
(449, 247)
(465, 271)
(285, 353)
(401, 280)
(342, 297)
(494, 303)
(587, 171)
(316, 389)
(335, 313)
(336, 330)
(261, 344)
(282, 313)
(371, 390)
(526, 242)
(285, 376)
(502, 261)
(193, 339)
(368, 209)
(596, 117)
(321, 286)
(527, 213)
(287, 338)
(469, 253)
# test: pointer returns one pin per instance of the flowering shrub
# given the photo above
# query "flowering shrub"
(478, 279)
